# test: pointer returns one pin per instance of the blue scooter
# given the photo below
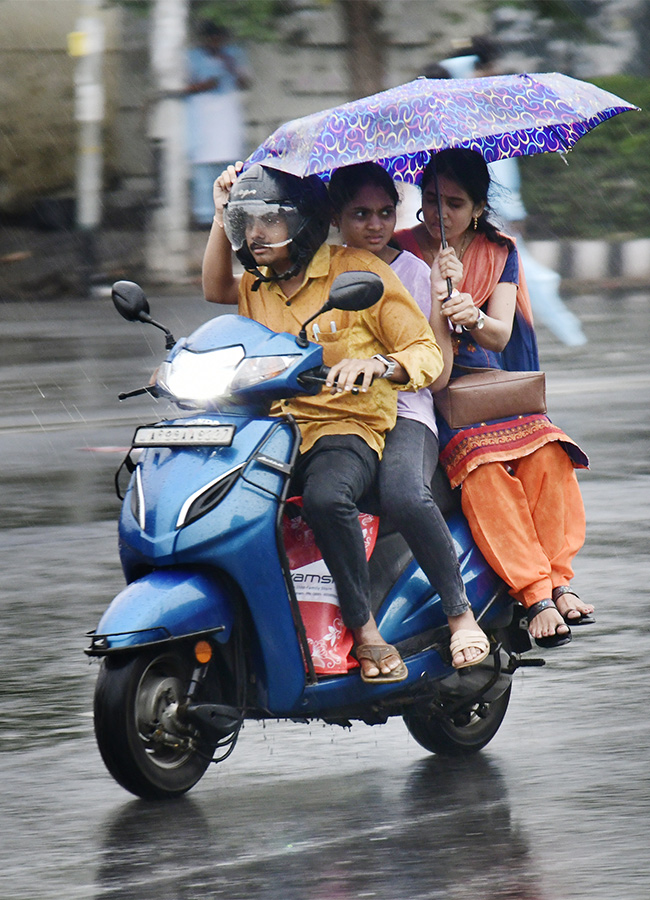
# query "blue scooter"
(208, 631)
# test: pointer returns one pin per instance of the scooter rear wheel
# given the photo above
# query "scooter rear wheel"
(463, 735)
(142, 742)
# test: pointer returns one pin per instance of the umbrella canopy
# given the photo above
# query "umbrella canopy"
(501, 116)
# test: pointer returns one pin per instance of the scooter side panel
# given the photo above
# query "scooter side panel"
(347, 692)
(347, 696)
(412, 608)
(166, 604)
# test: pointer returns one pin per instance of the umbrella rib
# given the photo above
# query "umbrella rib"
(560, 138)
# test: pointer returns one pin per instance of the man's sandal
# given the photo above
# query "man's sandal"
(376, 654)
(559, 639)
(582, 618)
(465, 638)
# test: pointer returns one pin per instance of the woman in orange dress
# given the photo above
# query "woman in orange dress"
(520, 493)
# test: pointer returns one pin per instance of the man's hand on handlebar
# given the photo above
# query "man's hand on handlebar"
(342, 376)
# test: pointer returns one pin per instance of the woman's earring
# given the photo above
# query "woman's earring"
(420, 215)
(475, 222)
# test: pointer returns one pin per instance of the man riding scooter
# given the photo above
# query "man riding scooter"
(278, 224)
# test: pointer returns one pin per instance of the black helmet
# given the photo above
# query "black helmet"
(301, 203)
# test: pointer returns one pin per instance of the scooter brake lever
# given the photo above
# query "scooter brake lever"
(314, 376)
(149, 389)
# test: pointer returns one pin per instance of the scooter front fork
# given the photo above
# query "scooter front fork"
(217, 722)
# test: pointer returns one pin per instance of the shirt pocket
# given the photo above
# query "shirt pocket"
(337, 345)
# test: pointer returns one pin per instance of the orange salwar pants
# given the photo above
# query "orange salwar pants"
(530, 524)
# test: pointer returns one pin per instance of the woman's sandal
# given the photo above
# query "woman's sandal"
(583, 618)
(552, 640)
(465, 638)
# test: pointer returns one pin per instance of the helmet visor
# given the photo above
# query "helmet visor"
(261, 224)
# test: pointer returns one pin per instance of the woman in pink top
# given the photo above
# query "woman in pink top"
(364, 199)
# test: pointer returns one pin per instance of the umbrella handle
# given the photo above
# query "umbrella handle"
(443, 239)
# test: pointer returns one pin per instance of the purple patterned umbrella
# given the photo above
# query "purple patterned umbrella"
(501, 116)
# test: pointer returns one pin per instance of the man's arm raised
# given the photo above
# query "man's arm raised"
(220, 284)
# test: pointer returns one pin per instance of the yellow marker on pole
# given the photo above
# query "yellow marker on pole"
(78, 43)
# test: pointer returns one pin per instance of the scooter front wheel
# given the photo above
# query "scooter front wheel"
(144, 743)
(465, 733)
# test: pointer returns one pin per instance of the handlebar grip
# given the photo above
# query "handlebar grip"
(319, 376)
(323, 372)
(314, 376)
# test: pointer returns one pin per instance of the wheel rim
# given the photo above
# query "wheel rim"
(160, 691)
(465, 721)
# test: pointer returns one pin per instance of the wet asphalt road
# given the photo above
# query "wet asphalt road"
(558, 805)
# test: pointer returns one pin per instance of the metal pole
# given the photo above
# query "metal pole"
(87, 45)
(168, 234)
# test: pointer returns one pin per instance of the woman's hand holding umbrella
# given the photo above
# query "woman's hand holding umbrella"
(460, 310)
(446, 265)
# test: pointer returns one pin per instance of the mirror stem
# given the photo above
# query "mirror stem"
(302, 339)
(169, 337)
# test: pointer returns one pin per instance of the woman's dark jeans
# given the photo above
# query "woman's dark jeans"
(332, 477)
(405, 473)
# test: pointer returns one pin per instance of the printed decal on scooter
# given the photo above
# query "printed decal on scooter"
(330, 642)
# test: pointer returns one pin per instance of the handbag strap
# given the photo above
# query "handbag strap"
(471, 370)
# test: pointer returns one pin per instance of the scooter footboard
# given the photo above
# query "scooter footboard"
(165, 605)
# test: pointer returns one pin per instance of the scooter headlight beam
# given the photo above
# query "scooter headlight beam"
(199, 380)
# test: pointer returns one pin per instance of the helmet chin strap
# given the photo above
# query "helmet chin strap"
(261, 278)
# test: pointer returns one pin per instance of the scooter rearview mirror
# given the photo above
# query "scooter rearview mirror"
(352, 292)
(130, 302)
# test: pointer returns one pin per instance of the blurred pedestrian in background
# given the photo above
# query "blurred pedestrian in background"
(217, 73)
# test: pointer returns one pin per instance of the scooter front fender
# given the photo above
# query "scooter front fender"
(165, 605)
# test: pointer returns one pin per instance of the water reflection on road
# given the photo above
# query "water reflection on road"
(357, 835)
(556, 807)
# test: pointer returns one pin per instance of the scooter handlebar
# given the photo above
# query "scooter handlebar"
(319, 376)
(314, 376)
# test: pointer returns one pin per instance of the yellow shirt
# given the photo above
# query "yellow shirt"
(394, 326)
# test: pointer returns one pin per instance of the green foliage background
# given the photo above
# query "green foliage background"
(604, 191)
(247, 19)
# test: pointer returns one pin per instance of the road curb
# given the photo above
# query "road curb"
(596, 260)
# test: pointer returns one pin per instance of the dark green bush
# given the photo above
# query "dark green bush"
(604, 191)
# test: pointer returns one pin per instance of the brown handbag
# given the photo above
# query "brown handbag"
(489, 394)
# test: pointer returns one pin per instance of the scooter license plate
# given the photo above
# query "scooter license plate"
(184, 435)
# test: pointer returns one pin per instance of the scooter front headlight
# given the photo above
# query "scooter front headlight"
(199, 380)
(202, 380)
